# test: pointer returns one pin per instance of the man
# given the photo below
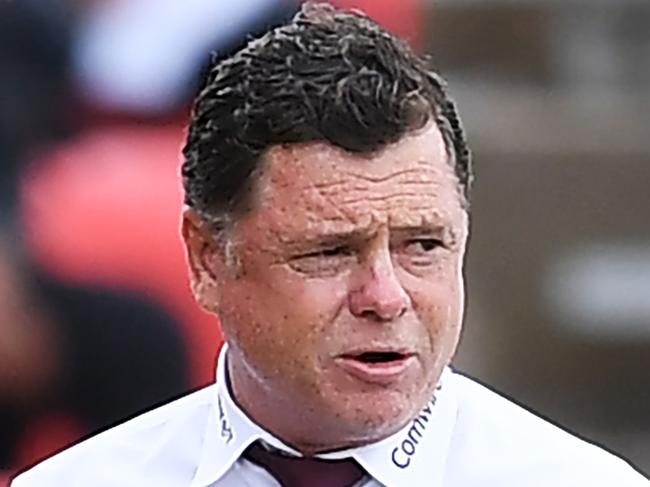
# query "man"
(327, 180)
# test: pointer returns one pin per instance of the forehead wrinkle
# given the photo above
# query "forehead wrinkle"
(315, 204)
(320, 183)
(407, 180)
(433, 197)
(403, 195)
(424, 165)
(341, 212)
(329, 213)
(329, 185)
(359, 222)
(355, 211)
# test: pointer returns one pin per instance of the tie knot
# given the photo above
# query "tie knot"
(305, 472)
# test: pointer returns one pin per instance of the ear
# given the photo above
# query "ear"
(205, 259)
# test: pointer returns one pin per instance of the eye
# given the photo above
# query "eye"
(331, 252)
(336, 251)
(323, 262)
(424, 244)
(420, 252)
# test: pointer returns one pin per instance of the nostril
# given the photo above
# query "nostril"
(372, 314)
(368, 313)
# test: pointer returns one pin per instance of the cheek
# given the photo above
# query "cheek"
(439, 307)
(274, 318)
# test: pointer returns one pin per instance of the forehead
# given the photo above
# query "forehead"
(316, 186)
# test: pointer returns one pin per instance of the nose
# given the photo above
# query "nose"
(379, 294)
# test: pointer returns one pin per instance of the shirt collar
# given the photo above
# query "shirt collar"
(416, 455)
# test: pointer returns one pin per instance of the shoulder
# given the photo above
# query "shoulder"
(165, 441)
(513, 446)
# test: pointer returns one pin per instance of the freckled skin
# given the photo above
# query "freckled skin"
(339, 251)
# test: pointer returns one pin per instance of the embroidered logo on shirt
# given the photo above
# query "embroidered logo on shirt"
(401, 455)
(226, 430)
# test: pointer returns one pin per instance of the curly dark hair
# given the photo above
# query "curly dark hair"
(325, 76)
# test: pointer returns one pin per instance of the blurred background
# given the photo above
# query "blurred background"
(96, 318)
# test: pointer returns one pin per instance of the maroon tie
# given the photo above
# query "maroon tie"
(305, 472)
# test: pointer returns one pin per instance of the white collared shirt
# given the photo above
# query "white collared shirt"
(466, 436)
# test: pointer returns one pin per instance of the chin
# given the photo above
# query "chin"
(375, 418)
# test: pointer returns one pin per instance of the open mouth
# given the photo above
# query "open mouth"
(378, 357)
(380, 367)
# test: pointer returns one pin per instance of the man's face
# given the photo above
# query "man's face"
(341, 291)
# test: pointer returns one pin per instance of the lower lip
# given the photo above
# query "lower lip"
(383, 373)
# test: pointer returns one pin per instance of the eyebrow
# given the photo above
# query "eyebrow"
(325, 239)
(421, 228)
(340, 237)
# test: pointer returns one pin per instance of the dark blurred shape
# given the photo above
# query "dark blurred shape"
(104, 209)
(115, 354)
(35, 39)
(74, 358)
